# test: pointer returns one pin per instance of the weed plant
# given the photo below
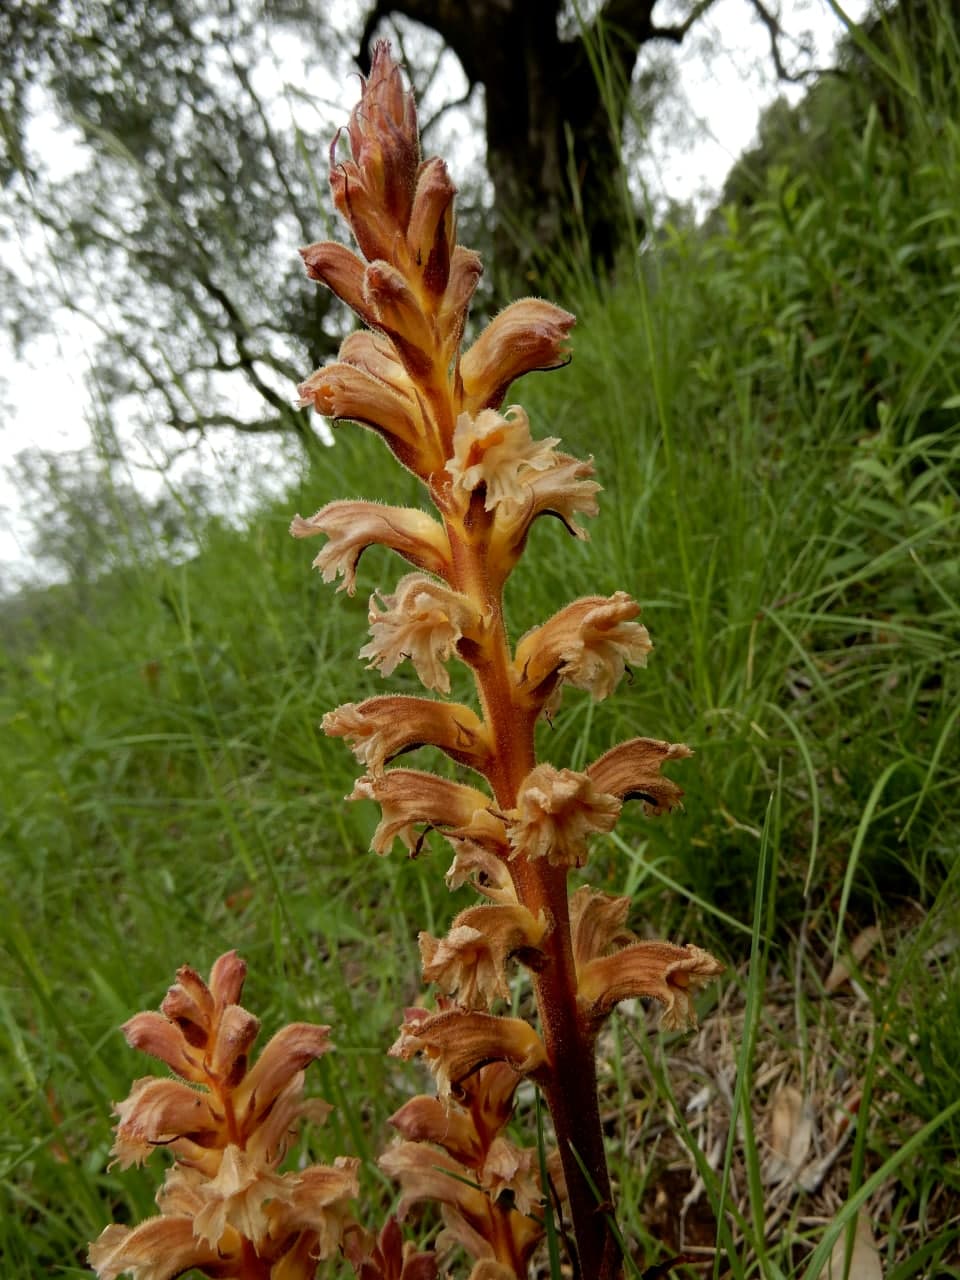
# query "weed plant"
(775, 416)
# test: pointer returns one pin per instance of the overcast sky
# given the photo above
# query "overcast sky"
(725, 78)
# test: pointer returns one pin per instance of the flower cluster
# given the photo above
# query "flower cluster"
(224, 1207)
(519, 826)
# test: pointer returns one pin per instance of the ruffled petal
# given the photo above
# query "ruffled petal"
(158, 1112)
(658, 970)
(557, 810)
(588, 644)
(422, 620)
(352, 526)
(159, 1249)
(380, 729)
(409, 798)
(471, 959)
(480, 865)
(497, 454)
(457, 1042)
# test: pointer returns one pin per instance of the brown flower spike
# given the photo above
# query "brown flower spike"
(225, 1209)
(488, 477)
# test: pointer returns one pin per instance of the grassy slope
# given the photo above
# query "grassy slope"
(766, 412)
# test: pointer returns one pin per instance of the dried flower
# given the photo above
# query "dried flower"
(422, 620)
(497, 454)
(409, 798)
(657, 970)
(557, 810)
(457, 1042)
(471, 960)
(351, 527)
(588, 645)
(380, 729)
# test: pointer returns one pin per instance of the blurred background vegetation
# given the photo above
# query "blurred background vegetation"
(772, 398)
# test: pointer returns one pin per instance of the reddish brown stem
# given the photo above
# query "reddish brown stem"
(572, 1089)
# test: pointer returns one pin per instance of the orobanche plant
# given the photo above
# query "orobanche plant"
(516, 835)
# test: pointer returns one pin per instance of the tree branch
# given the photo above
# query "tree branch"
(677, 33)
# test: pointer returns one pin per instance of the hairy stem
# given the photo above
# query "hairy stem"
(572, 1090)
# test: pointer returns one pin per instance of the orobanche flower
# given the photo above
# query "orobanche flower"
(471, 960)
(521, 826)
(225, 1208)
(351, 527)
(557, 810)
(497, 453)
(424, 621)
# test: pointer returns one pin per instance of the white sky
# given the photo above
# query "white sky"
(725, 79)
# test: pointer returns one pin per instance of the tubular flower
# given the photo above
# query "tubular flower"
(409, 798)
(631, 771)
(228, 1128)
(557, 810)
(351, 527)
(565, 490)
(381, 729)
(527, 335)
(456, 1042)
(497, 454)
(342, 391)
(588, 645)
(471, 960)
(423, 621)
(657, 970)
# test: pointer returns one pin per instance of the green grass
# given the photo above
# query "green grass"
(775, 417)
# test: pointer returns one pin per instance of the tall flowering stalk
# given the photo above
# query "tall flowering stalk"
(439, 409)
